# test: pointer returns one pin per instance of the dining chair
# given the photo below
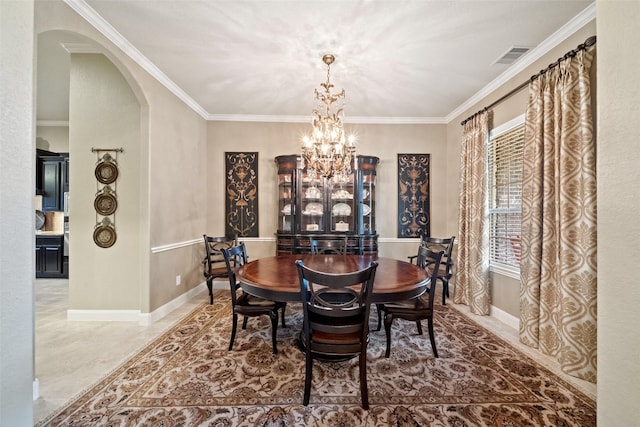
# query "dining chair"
(420, 260)
(248, 305)
(213, 263)
(446, 245)
(417, 309)
(329, 246)
(336, 318)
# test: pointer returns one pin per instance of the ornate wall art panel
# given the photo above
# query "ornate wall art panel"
(241, 188)
(413, 195)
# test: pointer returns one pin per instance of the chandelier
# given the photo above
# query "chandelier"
(327, 153)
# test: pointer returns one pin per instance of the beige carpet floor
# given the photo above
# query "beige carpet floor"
(186, 377)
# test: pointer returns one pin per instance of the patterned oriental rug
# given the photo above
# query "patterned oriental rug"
(187, 377)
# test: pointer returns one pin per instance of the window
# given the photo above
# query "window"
(505, 160)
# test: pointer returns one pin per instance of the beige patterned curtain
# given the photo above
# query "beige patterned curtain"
(558, 265)
(472, 277)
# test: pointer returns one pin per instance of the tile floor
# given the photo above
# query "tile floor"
(71, 356)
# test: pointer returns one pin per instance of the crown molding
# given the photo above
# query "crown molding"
(63, 123)
(93, 18)
(80, 47)
(306, 119)
(571, 27)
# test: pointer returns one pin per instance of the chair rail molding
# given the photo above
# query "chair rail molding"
(198, 241)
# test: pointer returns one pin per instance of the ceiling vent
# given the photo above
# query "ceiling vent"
(513, 54)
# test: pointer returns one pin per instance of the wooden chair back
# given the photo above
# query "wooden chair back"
(336, 318)
(234, 257)
(213, 261)
(329, 246)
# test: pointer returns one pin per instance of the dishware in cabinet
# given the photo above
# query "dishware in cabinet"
(342, 204)
(312, 203)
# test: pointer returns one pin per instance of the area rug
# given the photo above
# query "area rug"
(187, 377)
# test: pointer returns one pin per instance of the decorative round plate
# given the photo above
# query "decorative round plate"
(106, 172)
(104, 235)
(105, 203)
(366, 210)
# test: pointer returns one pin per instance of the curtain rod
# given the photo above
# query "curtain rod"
(587, 43)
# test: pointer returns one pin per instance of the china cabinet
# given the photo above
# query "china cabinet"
(326, 208)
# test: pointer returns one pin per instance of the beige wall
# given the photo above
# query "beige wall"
(273, 139)
(171, 178)
(103, 113)
(618, 203)
(53, 138)
(17, 235)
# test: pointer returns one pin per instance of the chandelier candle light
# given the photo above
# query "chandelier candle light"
(327, 153)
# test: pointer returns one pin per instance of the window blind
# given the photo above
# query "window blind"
(505, 161)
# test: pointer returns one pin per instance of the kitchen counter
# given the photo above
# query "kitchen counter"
(49, 233)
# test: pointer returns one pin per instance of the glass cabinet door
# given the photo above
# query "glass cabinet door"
(286, 193)
(367, 194)
(286, 205)
(368, 211)
(312, 203)
(341, 202)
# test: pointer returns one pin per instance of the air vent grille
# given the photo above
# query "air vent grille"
(513, 54)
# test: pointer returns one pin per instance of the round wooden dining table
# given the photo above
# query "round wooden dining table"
(276, 278)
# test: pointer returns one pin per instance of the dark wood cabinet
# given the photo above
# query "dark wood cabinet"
(50, 262)
(51, 184)
(325, 208)
(65, 172)
(54, 180)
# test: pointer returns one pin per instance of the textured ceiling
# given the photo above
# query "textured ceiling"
(399, 60)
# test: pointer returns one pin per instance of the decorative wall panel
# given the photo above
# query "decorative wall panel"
(241, 188)
(414, 217)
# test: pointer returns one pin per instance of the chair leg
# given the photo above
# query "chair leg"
(388, 320)
(233, 330)
(210, 286)
(307, 378)
(274, 330)
(379, 310)
(364, 393)
(284, 307)
(445, 290)
(431, 337)
(244, 322)
(419, 325)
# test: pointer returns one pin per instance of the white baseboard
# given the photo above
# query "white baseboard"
(103, 315)
(144, 319)
(147, 319)
(505, 317)
(36, 389)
